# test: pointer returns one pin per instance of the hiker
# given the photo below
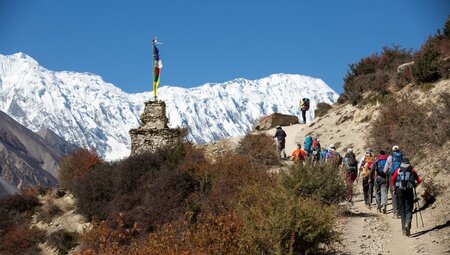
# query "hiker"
(298, 155)
(404, 180)
(281, 139)
(350, 165)
(381, 181)
(315, 157)
(304, 106)
(308, 145)
(364, 171)
(392, 163)
(333, 156)
(323, 155)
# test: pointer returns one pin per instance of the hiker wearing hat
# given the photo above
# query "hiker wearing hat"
(404, 180)
(280, 135)
(298, 154)
(350, 165)
(364, 167)
(393, 163)
(333, 156)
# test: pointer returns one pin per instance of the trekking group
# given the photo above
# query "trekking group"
(381, 173)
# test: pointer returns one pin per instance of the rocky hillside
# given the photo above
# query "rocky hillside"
(27, 158)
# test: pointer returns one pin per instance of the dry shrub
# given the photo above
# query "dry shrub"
(322, 109)
(20, 239)
(322, 181)
(431, 191)
(427, 64)
(230, 174)
(259, 148)
(410, 125)
(17, 209)
(77, 165)
(276, 222)
(373, 74)
(63, 241)
(48, 211)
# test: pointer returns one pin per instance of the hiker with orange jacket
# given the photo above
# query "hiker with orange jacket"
(404, 180)
(298, 154)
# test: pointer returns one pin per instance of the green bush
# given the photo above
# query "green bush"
(322, 181)
(322, 109)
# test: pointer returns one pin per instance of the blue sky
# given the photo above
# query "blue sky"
(212, 41)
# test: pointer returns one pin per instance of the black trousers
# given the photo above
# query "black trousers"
(367, 190)
(405, 204)
(304, 116)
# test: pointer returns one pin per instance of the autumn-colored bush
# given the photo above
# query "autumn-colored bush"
(16, 209)
(20, 239)
(322, 181)
(259, 148)
(76, 166)
(427, 64)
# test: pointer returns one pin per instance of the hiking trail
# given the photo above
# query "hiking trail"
(367, 231)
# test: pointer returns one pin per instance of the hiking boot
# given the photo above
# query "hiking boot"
(379, 209)
(384, 209)
(407, 231)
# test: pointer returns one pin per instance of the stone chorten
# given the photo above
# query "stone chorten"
(153, 133)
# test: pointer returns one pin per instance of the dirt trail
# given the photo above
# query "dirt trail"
(371, 232)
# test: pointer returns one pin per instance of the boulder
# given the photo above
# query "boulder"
(274, 119)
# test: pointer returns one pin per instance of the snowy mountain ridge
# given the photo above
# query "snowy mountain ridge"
(85, 110)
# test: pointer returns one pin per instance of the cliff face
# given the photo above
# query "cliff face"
(26, 158)
(153, 133)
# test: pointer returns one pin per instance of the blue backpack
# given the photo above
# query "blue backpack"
(405, 178)
(380, 167)
(396, 161)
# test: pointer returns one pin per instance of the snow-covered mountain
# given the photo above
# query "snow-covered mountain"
(85, 110)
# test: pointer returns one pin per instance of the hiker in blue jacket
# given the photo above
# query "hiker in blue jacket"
(307, 145)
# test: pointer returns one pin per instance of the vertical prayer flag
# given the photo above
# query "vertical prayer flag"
(157, 65)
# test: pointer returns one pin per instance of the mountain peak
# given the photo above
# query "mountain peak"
(87, 111)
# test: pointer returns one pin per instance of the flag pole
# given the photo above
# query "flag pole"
(154, 68)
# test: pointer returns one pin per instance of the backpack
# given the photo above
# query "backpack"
(334, 157)
(405, 178)
(304, 104)
(368, 161)
(396, 161)
(380, 167)
(351, 162)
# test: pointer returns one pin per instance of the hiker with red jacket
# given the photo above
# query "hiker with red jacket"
(381, 180)
(404, 180)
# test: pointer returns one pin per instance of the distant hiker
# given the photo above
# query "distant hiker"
(404, 180)
(298, 154)
(304, 106)
(381, 180)
(323, 155)
(315, 157)
(392, 163)
(281, 139)
(333, 156)
(308, 144)
(351, 172)
(364, 170)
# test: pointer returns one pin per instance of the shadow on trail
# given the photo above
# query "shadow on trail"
(428, 203)
(357, 214)
(445, 225)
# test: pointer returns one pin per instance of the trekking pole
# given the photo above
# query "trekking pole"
(417, 201)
